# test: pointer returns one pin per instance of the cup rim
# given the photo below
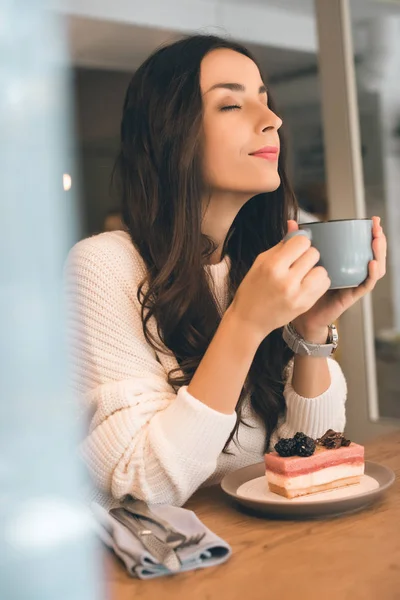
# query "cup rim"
(333, 221)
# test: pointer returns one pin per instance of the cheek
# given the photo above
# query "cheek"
(226, 163)
(223, 154)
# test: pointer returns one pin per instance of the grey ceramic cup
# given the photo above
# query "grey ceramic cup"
(345, 247)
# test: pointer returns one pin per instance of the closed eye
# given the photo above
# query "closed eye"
(231, 107)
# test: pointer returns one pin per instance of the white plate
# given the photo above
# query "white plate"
(249, 487)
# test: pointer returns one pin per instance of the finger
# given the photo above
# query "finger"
(377, 230)
(301, 267)
(370, 282)
(376, 226)
(291, 229)
(379, 246)
(373, 270)
(316, 281)
(291, 250)
(292, 226)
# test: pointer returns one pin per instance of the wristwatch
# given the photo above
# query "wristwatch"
(303, 348)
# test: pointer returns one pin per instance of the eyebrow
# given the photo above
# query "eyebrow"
(236, 87)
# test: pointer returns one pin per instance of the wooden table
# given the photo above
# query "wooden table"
(353, 557)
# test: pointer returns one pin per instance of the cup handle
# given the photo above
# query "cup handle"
(306, 232)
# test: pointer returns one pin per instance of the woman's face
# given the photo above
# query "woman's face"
(237, 123)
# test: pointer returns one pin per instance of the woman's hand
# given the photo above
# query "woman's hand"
(312, 325)
(282, 284)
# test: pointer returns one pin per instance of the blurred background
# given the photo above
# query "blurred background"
(107, 45)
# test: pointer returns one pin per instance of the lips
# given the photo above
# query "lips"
(268, 153)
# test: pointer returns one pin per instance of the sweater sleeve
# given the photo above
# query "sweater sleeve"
(313, 416)
(143, 439)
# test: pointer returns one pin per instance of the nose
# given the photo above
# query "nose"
(269, 121)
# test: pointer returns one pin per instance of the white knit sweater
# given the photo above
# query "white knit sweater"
(142, 438)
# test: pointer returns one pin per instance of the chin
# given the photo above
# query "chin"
(270, 186)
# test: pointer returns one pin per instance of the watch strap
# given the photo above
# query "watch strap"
(303, 348)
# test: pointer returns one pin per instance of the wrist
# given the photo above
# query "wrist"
(312, 335)
(248, 334)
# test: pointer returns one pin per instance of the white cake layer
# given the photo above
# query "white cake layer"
(317, 478)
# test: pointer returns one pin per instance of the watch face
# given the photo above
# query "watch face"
(333, 335)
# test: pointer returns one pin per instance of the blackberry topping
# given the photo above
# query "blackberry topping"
(300, 436)
(305, 446)
(286, 447)
(299, 445)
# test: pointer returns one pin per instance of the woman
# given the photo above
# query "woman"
(177, 323)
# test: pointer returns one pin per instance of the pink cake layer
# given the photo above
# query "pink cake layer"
(321, 459)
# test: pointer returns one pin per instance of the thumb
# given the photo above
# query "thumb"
(292, 226)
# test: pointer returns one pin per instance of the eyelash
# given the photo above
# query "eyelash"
(231, 107)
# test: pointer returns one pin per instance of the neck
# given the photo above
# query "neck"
(220, 212)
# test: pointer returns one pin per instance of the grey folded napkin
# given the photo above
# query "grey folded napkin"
(212, 550)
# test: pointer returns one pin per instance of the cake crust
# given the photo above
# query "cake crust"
(281, 491)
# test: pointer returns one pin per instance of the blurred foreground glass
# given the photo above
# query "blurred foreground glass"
(376, 33)
(47, 548)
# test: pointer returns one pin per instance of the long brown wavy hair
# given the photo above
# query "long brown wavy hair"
(161, 187)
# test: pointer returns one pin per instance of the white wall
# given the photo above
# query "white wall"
(259, 23)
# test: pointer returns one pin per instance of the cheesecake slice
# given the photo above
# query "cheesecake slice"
(325, 469)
